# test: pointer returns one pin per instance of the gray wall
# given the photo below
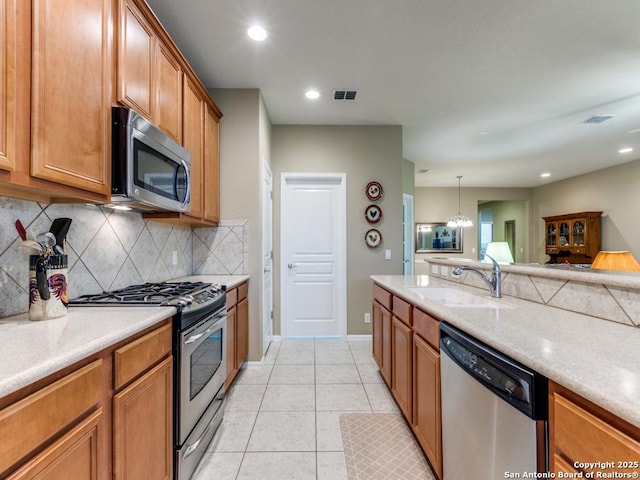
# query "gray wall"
(244, 145)
(365, 154)
(517, 211)
(438, 204)
(615, 191)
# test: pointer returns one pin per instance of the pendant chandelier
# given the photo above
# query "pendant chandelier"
(459, 220)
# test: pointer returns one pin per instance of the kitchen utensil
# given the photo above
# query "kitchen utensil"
(31, 244)
(21, 230)
(59, 229)
(47, 240)
(41, 278)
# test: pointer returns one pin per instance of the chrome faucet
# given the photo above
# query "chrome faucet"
(493, 282)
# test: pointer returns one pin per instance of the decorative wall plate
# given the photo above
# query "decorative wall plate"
(374, 191)
(373, 238)
(373, 214)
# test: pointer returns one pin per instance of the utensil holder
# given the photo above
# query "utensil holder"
(47, 286)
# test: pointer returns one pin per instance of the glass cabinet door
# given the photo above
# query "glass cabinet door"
(551, 234)
(577, 232)
(563, 237)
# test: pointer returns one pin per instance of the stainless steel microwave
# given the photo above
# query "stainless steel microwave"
(150, 171)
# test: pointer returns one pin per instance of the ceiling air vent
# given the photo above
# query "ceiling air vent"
(344, 94)
(598, 118)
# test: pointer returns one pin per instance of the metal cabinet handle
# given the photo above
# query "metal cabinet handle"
(292, 265)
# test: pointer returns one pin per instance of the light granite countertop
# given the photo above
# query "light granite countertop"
(595, 358)
(31, 350)
(230, 281)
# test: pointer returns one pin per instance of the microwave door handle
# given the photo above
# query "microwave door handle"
(187, 197)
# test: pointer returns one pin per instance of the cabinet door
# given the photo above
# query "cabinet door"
(75, 455)
(136, 47)
(72, 92)
(427, 420)
(387, 347)
(142, 426)
(193, 142)
(376, 332)
(168, 111)
(8, 85)
(402, 378)
(242, 332)
(211, 166)
(231, 345)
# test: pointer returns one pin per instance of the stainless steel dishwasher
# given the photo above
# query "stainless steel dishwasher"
(494, 411)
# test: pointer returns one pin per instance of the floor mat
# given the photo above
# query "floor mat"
(380, 446)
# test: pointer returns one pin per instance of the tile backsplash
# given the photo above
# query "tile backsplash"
(108, 249)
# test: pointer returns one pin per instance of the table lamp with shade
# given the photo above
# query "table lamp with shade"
(618, 260)
(499, 251)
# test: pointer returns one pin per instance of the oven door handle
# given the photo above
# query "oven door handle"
(197, 336)
(194, 446)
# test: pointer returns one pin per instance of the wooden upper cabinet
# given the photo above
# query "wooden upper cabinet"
(149, 73)
(193, 142)
(168, 104)
(574, 237)
(8, 85)
(136, 48)
(72, 93)
(211, 188)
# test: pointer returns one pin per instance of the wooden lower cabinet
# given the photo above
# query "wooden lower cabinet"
(232, 320)
(581, 433)
(109, 417)
(75, 456)
(237, 330)
(401, 363)
(142, 425)
(427, 419)
(382, 340)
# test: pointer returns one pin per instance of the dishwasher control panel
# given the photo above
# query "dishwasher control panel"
(510, 380)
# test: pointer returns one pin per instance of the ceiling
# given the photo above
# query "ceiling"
(494, 90)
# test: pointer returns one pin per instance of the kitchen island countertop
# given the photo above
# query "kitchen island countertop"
(595, 358)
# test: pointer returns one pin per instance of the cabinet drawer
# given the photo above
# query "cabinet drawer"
(33, 420)
(243, 290)
(382, 296)
(232, 297)
(402, 310)
(140, 355)
(597, 440)
(427, 327)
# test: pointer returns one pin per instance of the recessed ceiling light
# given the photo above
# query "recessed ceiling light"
(312, 94)
(635, 130)
(625, 150)
(483, 132)
(257, 33)
(545, 175)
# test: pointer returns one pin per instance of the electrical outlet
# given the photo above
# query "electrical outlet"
(174, 257)
(444, 271)
(473, 250)
(367, 318)
(387, 254)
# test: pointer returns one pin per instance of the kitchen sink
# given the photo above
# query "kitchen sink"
(451, 297)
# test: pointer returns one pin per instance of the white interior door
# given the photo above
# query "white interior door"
(408, 260)
(267, 258)
(313, 270)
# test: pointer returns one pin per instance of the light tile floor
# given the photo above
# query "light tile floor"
(282, 417)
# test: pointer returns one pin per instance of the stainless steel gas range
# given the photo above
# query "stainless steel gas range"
(199, 351)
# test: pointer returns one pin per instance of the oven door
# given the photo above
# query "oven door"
(202, 355)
